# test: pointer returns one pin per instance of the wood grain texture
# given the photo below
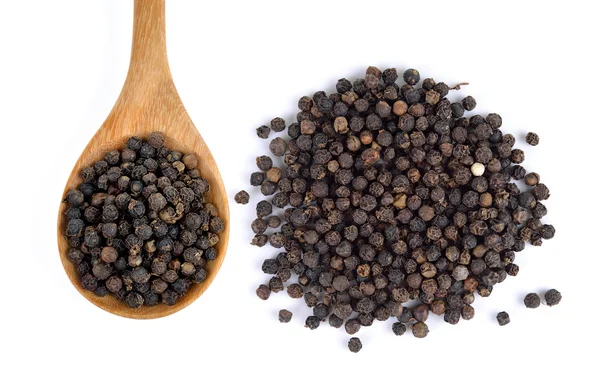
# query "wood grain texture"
(149, 102)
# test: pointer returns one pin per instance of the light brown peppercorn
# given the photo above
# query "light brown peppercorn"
(531, 179)
(190, 161)
(400, 107)
(420, 330)
(274, 174)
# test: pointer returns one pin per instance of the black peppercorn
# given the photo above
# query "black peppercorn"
(312, 322)
(532, 139)
(532, 300)
(285, 316)
(503, 318)
(263, 132)
(552, 297)
(354, 345)
(420, 330)
(411, 76)
(134, 300)
(263, 292)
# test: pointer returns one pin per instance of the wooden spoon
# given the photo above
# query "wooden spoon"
(148, 102)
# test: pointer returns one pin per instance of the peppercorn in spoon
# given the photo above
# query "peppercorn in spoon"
(149, 102)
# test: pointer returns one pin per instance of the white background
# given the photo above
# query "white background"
(237, 64)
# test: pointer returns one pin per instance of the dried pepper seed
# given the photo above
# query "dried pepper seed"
(89, 282)
(400, 107)
(335, 321)
(274, 175)
(532, 300)
(452, 316)
(552, 297)
(517, 156)
(312, 322)
(277, 124)
(278, 146)
(263, 292)
(352, 326)
(134, 300)
(156, 139)
(420, 330)
(354, 345)
(532, 179)
(421, 313)
(109, 254)
(264, 163)
(242, 197)
(274, 222)
(532, 138)
(503, 318)
(398, 328)
(477, 169)
(540, 192)
(411, 76)
(190, 161)
(469, 103)
(75, 198)
(257, 178)
(114, 284)
(131, 220)
(263, 132)
(295, 291)
(285, 316)
(467, 312)
(546, 231)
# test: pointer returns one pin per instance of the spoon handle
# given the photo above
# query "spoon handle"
(149, 46)
(148, 97)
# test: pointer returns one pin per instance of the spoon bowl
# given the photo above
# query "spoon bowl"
(149, 102)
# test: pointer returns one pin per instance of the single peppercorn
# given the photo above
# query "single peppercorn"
(242, 197)
(295, 291)
(532, 179)
(109, 254)
(278, 146)
(398, 328)
(263, 132)
(411, 76)
(263, 292)
(421, 312)
(503, 318)
(156, 139)
(352, 326)
(469, 103)
(264, 163)
(532, 300)
(312, 322)
(277, 124)
(532, 138)
(285, 316)
(552, 297)
(257, 178)
(420, 330)
(134, 300)
(354, 345)
(467, 312)
(452, 316)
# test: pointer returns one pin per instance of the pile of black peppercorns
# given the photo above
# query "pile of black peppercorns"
(390, 194)
(139, 226)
